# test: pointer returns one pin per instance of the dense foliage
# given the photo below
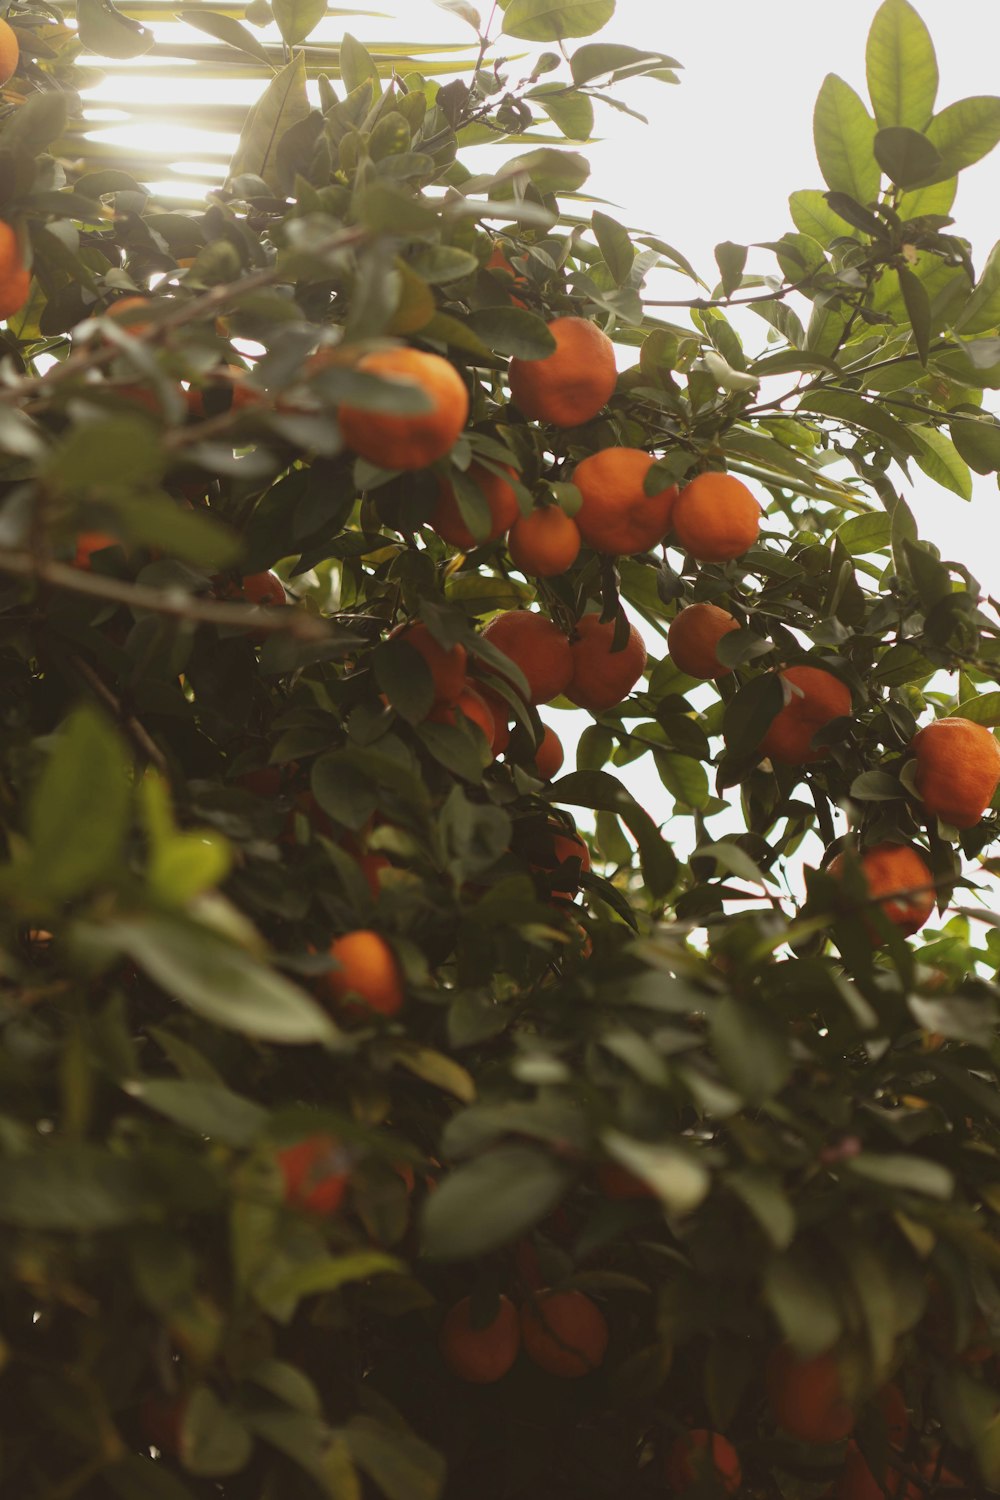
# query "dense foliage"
(318, 1014)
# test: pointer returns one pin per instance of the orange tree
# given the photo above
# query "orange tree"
(369, 1127)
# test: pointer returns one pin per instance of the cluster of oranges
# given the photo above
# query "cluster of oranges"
(563, 1333)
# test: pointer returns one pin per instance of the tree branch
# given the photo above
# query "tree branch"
(137, 731)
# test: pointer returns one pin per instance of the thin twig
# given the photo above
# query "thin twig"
(702, 304)
(262, 621)
(137, 731)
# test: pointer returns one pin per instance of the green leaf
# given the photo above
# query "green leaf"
(749, 714)
(221, 982)
(603, 793)
(385, 209)
(104, 30)
(599, 58)
(569, 111)
(74, 1189)
(684, 778)
(464, 11)
(731, 260)
(977, 440)
(901, 67)
(844, 136)
(512, 330)
(982, 708)
(812, 215)
(207, 1109)
(297, 18)
(752, 1050)
(312, 1278)
(78, 465)
(762, 1193)
(139, 1478)
(283, 104)
(79, 808)
(804, 1302)
(911, 1174)
(357, 65)
(227, 29)
(940, 461)
(405, 679)
(965, 132)
(918, 310)
(401, 1465)
(552, 20)
(550, 170)
(491, 1201)
(867, 533)
(981, 313)
(214, 1441)
(875, 786)
(906, 157)
(614, 244)
(677, 1177)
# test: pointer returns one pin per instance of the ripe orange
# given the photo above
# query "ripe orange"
(10, 52)
(896, 870)
(537, 646)
(716, 518)
(89, 542)
(446, 664)
(813, 699)
(366, 967)
(498, 262)
(549, 755)
(602, 677)
(545, 543)
(480, 1355)
(616, 1181)
(15, 281)
(263, 588)
(570, 385)
(314, 1174)
(564, 1333)
(958, 768)
(806, 1396)
(617, 517)
(857, 1482)
(126, 311)
(693, 639)
(471, 704)
(571, 859)
(699, 1457)
(500, 709)
(446, 518)
(397, 442)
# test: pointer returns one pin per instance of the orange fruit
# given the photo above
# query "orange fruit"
(500, 709)
(857, 1482)
(263, 588)
(446, 518)
(693, 639)
(958, 768)
(498, 262)
(892, 1405)
(813, 699)
(699, 1457)
(544, 543)
(896, 871)
(716, 518)
(602, 678)
(537, 646)
(15, 281)
(366, 967)
(480, 1355)
(89, 542)
(471, 704)
(125, 311)
(617, 517)
(570, 385)
(314, 1174)
(564, 1333)
(10, 52)
(806, 1396)
(446, 664)
(571, 859)
(616, 1181)
(549, 755)
(413, 442)
(161, 1420)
